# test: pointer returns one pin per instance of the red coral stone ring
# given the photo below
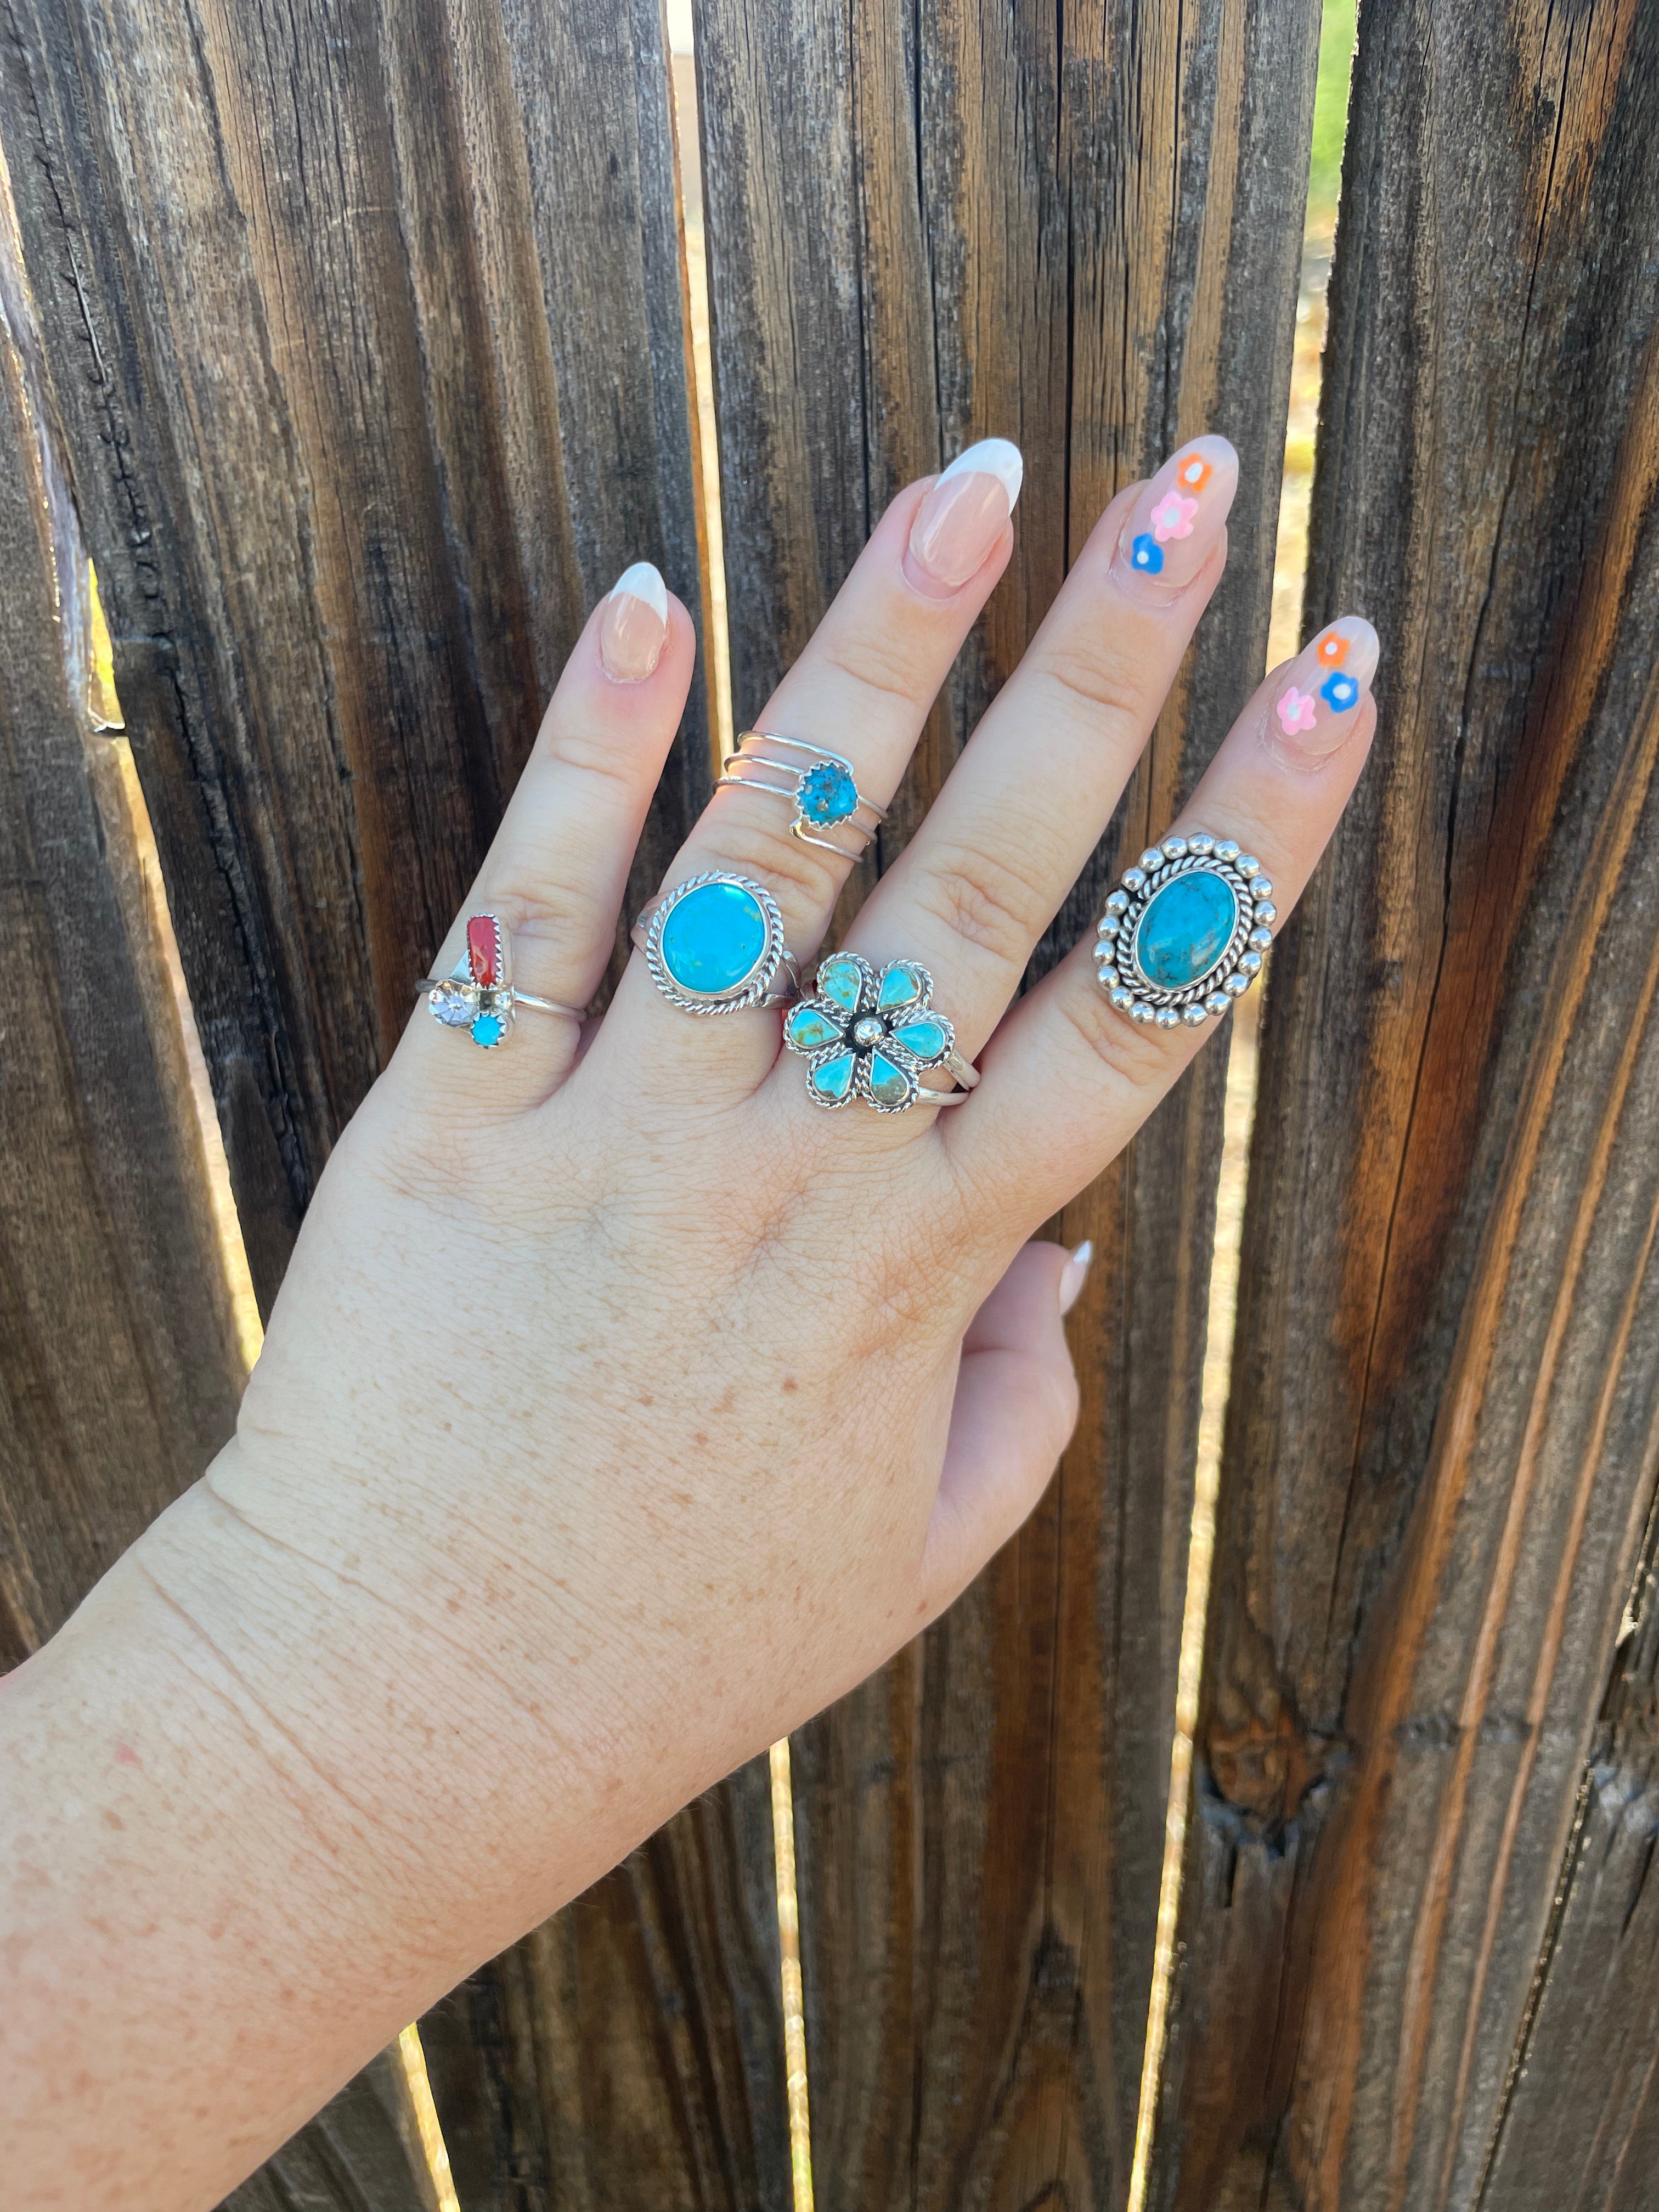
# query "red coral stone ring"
(478, 994)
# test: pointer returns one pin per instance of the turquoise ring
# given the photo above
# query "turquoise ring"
(871, 1034)
(1186, 930)
(819, 786)
(714, 945)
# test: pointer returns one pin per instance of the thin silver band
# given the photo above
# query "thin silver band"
(747, 767)
(519, 998)
(965, 1073)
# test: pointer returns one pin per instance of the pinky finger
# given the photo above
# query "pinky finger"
(1278, 785)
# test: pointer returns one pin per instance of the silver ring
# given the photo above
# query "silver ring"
(477, 994)
(1186, 930)
(871, 1034)
(714, 945)
(821, 788)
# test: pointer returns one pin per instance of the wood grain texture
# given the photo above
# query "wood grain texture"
(1441, 1445)
(1078, 227)
(120, 1371)
(364, 322)
(356, 2156)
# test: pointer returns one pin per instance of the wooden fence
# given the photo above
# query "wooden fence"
(350, 341)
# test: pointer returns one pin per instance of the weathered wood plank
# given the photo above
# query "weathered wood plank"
(1440, 1447)
(120, 1368)
(1079, 228)
(354, 2157)
(364, 324)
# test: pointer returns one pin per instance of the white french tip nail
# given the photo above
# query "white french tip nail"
(643, 581)
(1075, 1274)
(991, 457)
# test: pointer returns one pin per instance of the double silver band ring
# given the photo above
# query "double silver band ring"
(819, 786)
(478, 994)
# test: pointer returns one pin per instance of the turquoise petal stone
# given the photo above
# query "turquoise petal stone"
(489, 1029)
(925, 1038)
(826, 793)
(900, 986)
(832, 1078)
(840, 979)
(809, 1029)
(1185, 930)
(888, 1085)
(713, 939)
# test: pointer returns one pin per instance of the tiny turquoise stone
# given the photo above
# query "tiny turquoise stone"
(900, 986)
(809, 1030)
(841, 980)
(489, 1029)
(826, 793)
(1146, 554)
(713, 939)
(888, 1085)
(1185, 930)
(833, 1078)
(1340, 691)
(925, 1038)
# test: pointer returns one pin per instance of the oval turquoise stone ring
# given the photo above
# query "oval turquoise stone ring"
(1186, 930)
(715, 945)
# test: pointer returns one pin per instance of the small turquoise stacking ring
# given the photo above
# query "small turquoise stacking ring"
(819, 786)
(714, 945)
(1186, 930)
(871, 1033)
(477, 994)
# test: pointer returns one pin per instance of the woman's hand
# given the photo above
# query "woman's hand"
(621, 1408)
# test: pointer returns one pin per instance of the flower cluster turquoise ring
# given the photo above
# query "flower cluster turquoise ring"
(819, 786)
(871, 1034)
(714, 945)
(1186, 930)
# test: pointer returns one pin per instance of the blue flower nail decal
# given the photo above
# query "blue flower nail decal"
(1146, 553)
(1339, 692)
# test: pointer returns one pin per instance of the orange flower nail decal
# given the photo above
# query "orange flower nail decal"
(1332, 650)
(1193, 473)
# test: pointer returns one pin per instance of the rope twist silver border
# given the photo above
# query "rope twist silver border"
(1126, 984)
(754, 989)
(747, 765)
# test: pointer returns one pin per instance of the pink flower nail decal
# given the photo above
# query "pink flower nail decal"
(1173, 517)
(1296, 711)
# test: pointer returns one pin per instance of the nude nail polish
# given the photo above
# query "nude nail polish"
(963, 517)
(633, 628)
(1314, 700)
(1075, 1274)
(1178, 516)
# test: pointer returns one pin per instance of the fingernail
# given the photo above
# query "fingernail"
(633, 628)
(1075, 1274)
(1314, 699)
(963, 517)
(1178, 517)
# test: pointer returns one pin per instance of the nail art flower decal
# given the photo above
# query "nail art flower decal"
(867, 1032)
(1173, 516)
(1146, 554)
(1339, 693)
(1332, 650)
(1193, 473)
(1296, 711)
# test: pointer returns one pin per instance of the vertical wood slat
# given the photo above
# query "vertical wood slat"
(1443, 1437)
(363, 322)
(1080, 229)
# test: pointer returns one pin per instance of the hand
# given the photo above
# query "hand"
(621, 1408)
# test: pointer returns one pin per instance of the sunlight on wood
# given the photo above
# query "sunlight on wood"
(426, 2118)
(794, 2018)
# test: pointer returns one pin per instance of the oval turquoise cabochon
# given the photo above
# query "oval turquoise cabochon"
(1186, 929)
(713, 939)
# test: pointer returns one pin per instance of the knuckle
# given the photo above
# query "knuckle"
(566, 918)
(745, 826)
(592, 753)
(1093, 677)
(877, 661)
(987, 903)
(1138, 1056)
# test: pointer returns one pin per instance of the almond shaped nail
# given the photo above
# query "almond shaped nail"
(961, 521)
(1315, 698)
(1179, 516)
(633, 628)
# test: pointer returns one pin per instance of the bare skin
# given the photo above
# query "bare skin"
(621, 1408)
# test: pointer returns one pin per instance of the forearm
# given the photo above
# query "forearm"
(257, 1817)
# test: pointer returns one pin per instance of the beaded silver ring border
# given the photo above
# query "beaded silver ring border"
(1126, 983)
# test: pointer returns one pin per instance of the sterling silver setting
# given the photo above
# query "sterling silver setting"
(871, 1034)
(478, 994)
(819, 785)
(1146, 984)
(747, 982)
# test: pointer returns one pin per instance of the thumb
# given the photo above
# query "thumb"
(1014, 1411)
